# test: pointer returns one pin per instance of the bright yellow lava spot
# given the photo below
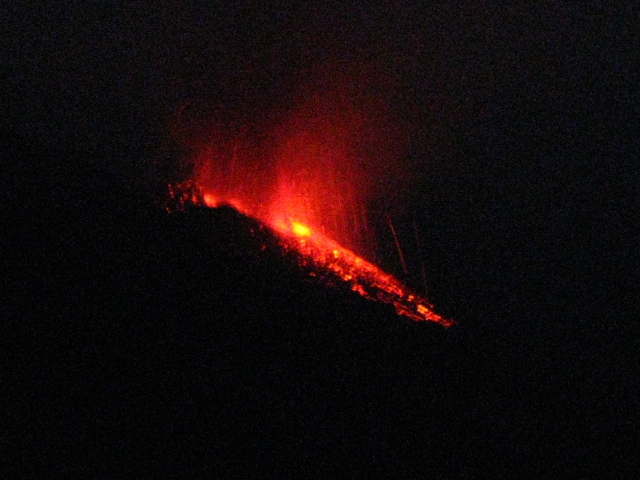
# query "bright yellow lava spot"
(335, 254)
(300, 230)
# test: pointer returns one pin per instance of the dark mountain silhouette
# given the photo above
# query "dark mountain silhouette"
(142, 343)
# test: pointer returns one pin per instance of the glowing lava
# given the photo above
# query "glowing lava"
(321, 252)
(310, 176)
(300, 230)
(323, 255)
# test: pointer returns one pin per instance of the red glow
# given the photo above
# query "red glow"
(210, 200)
(319, 251)
(309, 178)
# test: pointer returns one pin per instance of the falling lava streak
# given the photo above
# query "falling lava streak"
(320, 253)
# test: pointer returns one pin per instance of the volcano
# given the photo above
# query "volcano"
(326, 259)
(143, 343)
(311, 175)
(230, 342)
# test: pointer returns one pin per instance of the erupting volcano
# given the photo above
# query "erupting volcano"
(309, 178)
(320, 255)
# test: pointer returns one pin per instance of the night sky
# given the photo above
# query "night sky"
(460, 77)
(512, 119)
(518, 148)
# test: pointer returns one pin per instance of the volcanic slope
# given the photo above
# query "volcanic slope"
(141, 343)
(139, 339)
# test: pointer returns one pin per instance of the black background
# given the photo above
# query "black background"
(145, 343)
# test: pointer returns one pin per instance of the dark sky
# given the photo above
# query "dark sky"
(113, 75)
(519, 120)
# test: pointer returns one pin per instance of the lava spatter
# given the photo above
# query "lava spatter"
(363, 277)
(320, 254)
(313, 173)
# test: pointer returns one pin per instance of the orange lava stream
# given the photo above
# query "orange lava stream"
(319, 251)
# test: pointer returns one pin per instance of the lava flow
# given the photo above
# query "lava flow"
(320, 253)
(312, 176)
(363, 277)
